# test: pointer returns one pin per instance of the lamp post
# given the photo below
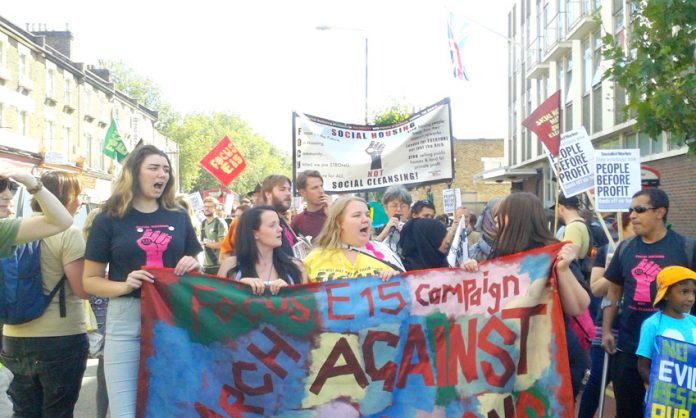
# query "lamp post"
(325, 27)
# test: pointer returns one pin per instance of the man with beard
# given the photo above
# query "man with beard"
(213, 231)
(277, 192)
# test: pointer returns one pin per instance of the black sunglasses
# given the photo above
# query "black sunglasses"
(640, 209)
(7, 184)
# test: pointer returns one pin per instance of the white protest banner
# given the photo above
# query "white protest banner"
(457, 197)
(448, 201)
(366, 157)
(197, 205)
(575, 162)
(617, 178)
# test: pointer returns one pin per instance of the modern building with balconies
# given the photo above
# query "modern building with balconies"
(557, 45)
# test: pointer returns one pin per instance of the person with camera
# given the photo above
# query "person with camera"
(397, 203)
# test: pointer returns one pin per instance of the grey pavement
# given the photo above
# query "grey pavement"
(87, 404)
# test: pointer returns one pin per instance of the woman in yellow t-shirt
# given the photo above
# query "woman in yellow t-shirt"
(344, 249)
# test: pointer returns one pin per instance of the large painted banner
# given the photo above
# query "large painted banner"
(672, 391)
(433, 343)
(365, 157)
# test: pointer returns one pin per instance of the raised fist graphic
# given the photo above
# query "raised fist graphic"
(644, 273)
(154, 243)
(375, 150)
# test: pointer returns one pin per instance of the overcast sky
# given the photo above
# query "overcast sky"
(264, 59)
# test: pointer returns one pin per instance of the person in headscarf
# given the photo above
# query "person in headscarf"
(423, 244)
(487, 226)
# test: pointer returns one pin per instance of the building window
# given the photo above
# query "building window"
(135, 127)
(586, 67)
(586, 112)
(619, 104)
(631, 141)
(88, 100)
(50, 79)
(22, 66)
(568, 117)
(48, 135)
(22, 123)
(67, 93)
(618, 20)
(88, 148)
(649, 145)
(66, 142)
(597, 109)
(597, 59)
(613, 143)
(569, 78)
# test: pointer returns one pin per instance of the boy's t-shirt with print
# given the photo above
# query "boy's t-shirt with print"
(140, 239)
(683, 329)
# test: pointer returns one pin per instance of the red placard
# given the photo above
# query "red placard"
(545, 121)
(225, 162)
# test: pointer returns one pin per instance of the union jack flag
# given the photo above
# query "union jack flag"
(456, 43)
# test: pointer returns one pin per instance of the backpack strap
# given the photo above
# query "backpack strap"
(60, 289)
(689, 247)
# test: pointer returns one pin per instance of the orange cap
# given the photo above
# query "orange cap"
(669, 276)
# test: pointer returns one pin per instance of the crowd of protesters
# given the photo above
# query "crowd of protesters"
(144, 223)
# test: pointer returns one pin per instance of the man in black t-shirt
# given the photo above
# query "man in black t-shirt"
(632, 270)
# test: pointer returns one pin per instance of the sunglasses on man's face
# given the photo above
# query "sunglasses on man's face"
(640, 209)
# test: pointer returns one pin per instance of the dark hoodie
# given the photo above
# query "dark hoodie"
(420, 244)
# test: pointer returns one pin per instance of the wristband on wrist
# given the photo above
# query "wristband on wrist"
(35, 189)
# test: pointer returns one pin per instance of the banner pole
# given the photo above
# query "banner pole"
(603, 385)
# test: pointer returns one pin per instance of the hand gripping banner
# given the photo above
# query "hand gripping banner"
(430, 343)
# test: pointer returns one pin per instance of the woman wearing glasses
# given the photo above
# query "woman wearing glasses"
(397, 203)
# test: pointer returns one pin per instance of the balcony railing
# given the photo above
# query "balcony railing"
(579, 19)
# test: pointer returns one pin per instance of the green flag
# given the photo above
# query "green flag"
(113, 144)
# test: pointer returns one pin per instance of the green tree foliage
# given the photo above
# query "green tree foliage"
(658, 70)
(142, 89)
(393, 114)
(198, 133)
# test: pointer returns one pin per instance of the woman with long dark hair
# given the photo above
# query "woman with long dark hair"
(522, 226)
(139, 225)
(260, 262)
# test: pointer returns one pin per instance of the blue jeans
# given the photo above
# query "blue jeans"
(122, 355)
(47, 373)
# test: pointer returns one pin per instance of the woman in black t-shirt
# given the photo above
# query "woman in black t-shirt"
(140, 225)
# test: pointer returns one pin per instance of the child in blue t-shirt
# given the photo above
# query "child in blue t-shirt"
(676, 294)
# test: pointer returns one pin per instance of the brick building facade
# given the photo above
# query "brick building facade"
(472, 156)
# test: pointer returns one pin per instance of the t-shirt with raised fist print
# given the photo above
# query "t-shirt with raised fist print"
(635, 267)
(140, 239)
